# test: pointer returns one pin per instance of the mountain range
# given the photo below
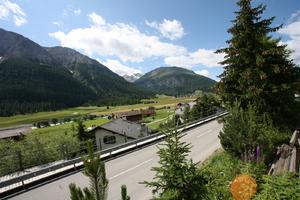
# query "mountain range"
(35, 78)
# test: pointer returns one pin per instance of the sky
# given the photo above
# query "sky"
(136, 36)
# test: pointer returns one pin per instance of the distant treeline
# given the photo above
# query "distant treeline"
(14, 108)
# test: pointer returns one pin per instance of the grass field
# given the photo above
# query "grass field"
(160, 101)
(161, 116)
(67, 128)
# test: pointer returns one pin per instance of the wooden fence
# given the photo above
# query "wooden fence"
(288, 156)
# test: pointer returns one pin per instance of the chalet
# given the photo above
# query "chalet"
(118, 131)
(135, 115)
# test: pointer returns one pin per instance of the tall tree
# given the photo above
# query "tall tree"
(258, 69)
(80, 129)
(176, 178)
(93, 168)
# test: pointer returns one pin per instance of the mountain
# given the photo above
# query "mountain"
(107, 86)
(132, 78)
(174, 81)
(34, 78)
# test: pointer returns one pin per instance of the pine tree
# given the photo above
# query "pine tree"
(176, 177)
(80, 129)
(258, 69)
(124, 193)
(93, 168)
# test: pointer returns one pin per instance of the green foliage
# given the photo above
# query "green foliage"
(124, 193)
(80, 130)
(78, 194)
(258, 69)
(37, 87)
(176, 173)
(94, 168)
(221, 169)
(170, 123)
(168, 195)
(174, 81)
(205, 105)
(280, 187)
(186, 114)
(35, 150)
(249, 136)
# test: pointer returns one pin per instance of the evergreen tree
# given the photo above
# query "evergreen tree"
(250, 136)
(124, 193)
(78, 194)
(186, 114)
(205, 105)
(258, 69)
(176, 178)
(93, 168)
(80, 129)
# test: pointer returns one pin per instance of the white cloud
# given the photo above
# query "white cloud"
(19, 21)
(97, 19)
(3, 12)
(203, 72)
(171, 29)
(8, 8)
(205, 57)
(294, 16)
(119, 39)
(292, 30)
(71, 10)
(59, 24)
(77, 12)
(119, 68)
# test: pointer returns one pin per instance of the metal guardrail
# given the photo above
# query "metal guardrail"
(23, 180)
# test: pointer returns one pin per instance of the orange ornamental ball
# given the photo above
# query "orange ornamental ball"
(243, 187)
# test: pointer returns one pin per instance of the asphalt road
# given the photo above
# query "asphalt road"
(131, 169)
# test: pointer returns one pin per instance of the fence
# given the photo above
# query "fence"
(288, 156)
(20, 182)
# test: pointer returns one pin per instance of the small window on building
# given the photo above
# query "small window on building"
(109, 139)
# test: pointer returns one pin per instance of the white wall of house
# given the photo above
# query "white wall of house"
(101, 133)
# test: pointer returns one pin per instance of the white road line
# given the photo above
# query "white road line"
(206, 132)
(130, 169)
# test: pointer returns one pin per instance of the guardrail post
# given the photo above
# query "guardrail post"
(20, 161)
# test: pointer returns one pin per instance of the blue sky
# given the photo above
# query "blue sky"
(130, 36)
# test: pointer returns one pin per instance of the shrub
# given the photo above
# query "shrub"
(249, 136)
(222, 168)
(280, 187)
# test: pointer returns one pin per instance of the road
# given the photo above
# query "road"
(131, 168)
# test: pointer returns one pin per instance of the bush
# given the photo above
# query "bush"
(249, 136)
(222, 168)
(36, 150)
(280, 187)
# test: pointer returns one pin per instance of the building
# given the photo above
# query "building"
(135, 115)
(14, 133)
(118, 131)
(180, 107)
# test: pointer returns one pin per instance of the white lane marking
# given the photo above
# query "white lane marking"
(130, 169)
(206, 132)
